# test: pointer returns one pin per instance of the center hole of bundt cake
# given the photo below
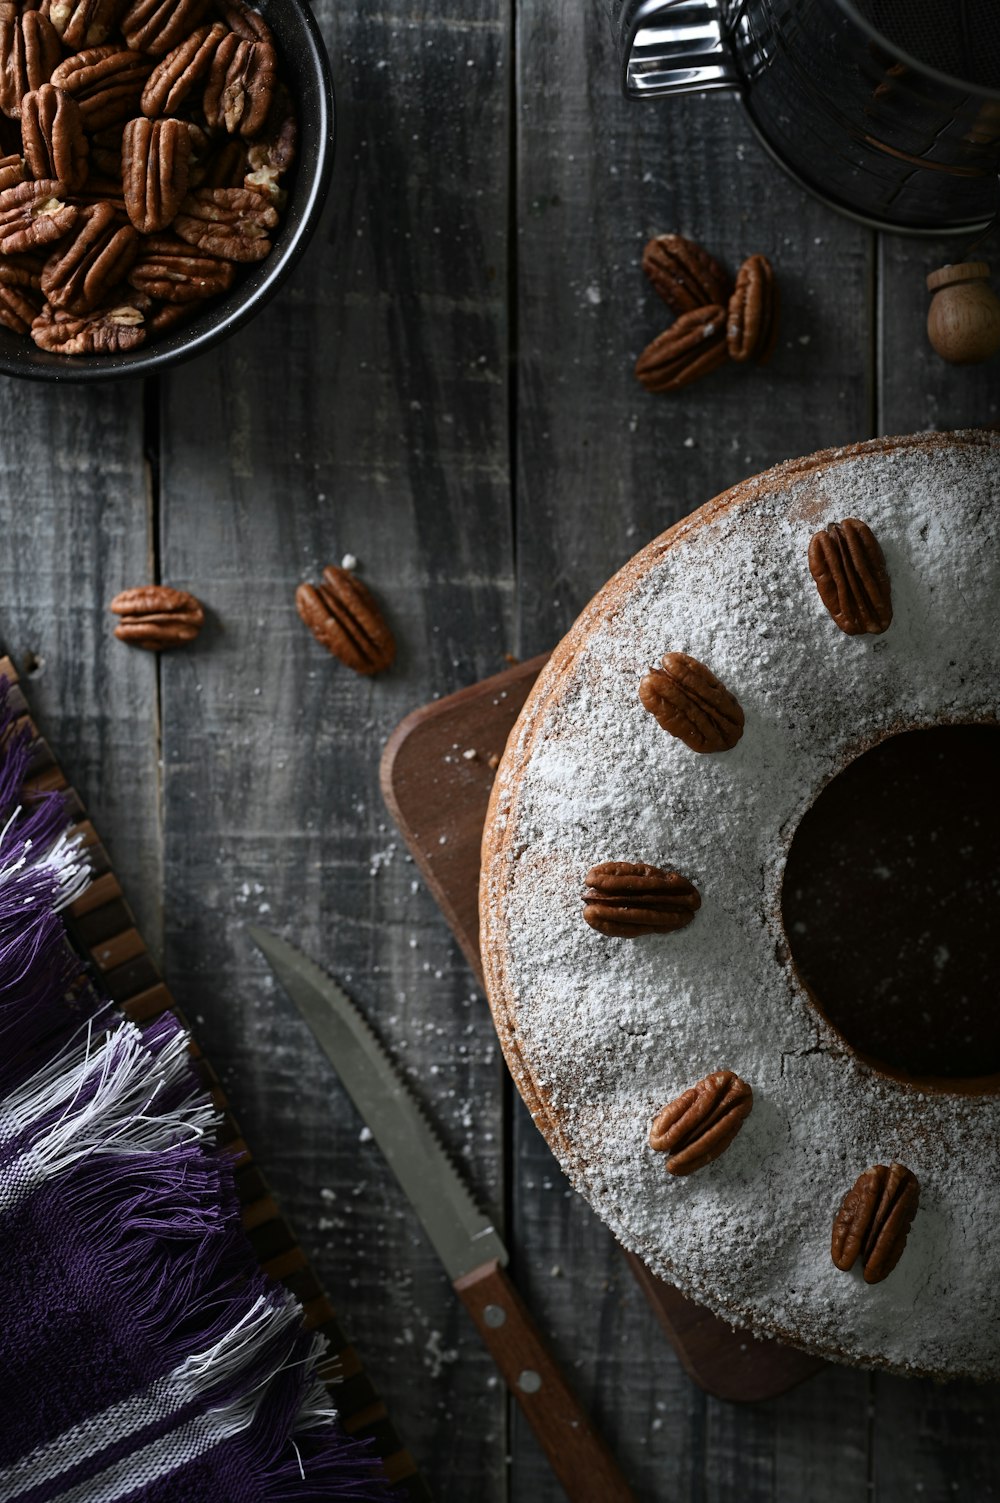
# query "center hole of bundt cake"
(891, 902)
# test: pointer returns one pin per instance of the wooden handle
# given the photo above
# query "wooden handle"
(576, 1453)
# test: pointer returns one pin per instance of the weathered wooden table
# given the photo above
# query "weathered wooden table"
(445, 390)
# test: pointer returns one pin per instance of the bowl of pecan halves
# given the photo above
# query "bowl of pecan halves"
(162, 165)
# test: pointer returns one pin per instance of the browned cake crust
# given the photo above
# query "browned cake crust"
(550, 1091)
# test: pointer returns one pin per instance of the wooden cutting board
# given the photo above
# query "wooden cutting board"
(437, 772)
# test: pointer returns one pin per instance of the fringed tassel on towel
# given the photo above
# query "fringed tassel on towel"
(116, 1214)
(42, 870)
(323, 1465)
(126, 1092)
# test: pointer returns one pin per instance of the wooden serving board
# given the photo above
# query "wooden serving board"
(102, 929)
(438, 794)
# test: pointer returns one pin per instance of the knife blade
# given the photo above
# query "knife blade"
(464, 1238)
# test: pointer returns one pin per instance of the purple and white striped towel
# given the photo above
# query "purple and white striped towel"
(143, 1354)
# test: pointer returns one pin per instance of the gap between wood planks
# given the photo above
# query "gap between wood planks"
(507, 1084)
(151, 445)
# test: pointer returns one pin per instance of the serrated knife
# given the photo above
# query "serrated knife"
(465, 1240)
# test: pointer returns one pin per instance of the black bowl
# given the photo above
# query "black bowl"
(304, 66)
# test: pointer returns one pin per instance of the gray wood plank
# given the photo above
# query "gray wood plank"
(602, 468)
(363, 413)
(740, 1449)
(604, 1335)
(76, 524)
(604, 465)
(935, 1442)
(917, 389)
(822, 1435)
(930, 1441)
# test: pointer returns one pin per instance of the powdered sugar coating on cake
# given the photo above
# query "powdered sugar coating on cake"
(600, 1032)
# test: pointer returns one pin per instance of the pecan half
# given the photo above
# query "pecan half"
(175, 75)
(168, 316)
(201, 141)
(684, 274)
(692, 347)
(227, 222)
(156, 26)
(106, 82)
(83, 23)
(29, 50)
(157, 617)
(629, 898)
(81, 274)
(52, 131)
(240, 85)
(11, 171)
(19, 307)
(156, 157)
(246, 22)
(848, 566)
(276, 144)
(24, 270)
(342, 614)
(702, 1122)
(874, 1220)
(32, 214)
(108, 331)
(172, 270)
(266, 180)
(752, 320)
(692, 704)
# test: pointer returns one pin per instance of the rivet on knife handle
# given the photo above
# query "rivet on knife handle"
(576, 1453)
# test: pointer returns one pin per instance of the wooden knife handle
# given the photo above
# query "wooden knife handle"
(576, 1453)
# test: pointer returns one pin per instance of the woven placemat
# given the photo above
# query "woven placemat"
(103, 930)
